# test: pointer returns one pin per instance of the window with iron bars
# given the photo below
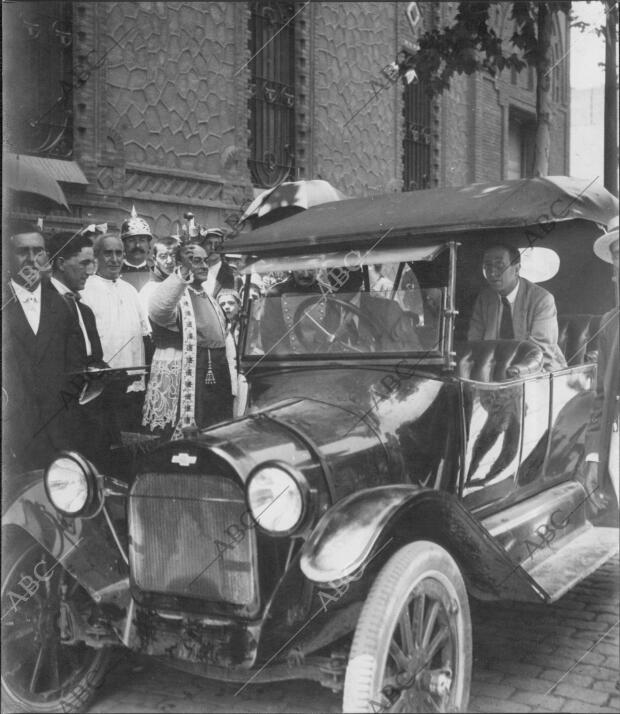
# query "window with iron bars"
(417, 140)
(38, 76)
(272, 98)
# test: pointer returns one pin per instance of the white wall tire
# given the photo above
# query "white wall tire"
(412, 648)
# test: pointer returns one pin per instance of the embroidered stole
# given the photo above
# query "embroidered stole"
(188, 367)
(189, 357)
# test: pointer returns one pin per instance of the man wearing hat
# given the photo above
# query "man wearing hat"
(136, 236)
(221, 275)
(601, 447)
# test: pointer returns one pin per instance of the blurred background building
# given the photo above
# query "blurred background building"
(173, 106)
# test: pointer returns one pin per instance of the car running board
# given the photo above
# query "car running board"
(559, 566)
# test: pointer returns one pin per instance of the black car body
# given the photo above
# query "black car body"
(367, 489)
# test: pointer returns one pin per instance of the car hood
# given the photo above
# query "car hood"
(322, 423)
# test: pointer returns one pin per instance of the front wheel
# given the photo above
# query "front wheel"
(412, 649)
(40, 672)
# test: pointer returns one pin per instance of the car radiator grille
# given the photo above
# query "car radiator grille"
(186, 538)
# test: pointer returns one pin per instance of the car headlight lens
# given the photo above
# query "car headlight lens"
(276, 498)
(69, 482)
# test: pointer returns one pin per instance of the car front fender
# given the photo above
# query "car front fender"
(84, 547)
(369, 526)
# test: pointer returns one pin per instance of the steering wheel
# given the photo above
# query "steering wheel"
(331, 339)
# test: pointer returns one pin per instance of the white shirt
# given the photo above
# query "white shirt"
(30, 302)
(512, 295)
(121, 322)
(143, 264)
(63, 290)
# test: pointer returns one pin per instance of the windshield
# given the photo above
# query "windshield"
(390, 308)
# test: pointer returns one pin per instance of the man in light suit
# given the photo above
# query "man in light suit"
(601, 447)
(42, 347)
(513, 308)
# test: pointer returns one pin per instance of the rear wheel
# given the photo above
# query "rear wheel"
(41, 673)
(412, 648)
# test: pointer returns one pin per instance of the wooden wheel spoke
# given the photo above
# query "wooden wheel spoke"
(54, 665)
(398, 655)
(406, 631)
(418, 619)
(429, 625)
(36, 671)
(435, 643)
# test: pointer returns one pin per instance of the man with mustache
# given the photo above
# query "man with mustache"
(136, 236)
(42, 346)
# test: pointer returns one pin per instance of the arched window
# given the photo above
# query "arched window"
(272, 102)
(38, 77)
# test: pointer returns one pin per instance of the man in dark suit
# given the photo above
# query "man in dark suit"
(601, 447)
(73, 261)
(42, 347)
(513, 308)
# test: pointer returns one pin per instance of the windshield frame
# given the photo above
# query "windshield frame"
(444, 355)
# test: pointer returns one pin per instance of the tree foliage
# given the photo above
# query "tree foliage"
(471, 44)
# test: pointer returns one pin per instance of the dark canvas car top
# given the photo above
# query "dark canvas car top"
(434, 212)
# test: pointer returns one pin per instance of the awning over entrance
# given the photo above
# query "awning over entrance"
(65, 171)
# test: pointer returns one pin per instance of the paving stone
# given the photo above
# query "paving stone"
(532, 700)
(527, 684)
(582, 694)
(550, 661)
(548, 702)
(518, 668)
(605, 685)
(596, 671)
(579, 707)
(489, 704)
(486, 675)
(489, 689)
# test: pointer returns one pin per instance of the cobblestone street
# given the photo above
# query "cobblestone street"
(527, 658)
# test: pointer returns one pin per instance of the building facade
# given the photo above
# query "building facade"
(194, 106)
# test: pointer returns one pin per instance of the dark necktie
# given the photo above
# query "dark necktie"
(73, 299)
(506, 331)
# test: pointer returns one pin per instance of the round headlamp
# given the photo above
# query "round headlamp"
(71, 484)
(277, 497)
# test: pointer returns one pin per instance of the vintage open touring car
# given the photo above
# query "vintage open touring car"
(385, 471)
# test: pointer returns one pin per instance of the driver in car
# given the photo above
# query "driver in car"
(280, 331)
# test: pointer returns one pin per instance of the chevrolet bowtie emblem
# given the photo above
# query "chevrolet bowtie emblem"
(184, 459)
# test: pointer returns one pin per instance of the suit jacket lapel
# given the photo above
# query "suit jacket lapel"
(491, 331)
(48, 322)
(19, 327)
(519, 312)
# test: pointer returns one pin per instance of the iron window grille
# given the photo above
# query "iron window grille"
(417, 139)
(38, 77)
(272, 92)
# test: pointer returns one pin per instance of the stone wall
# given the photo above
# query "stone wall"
(356, 147)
